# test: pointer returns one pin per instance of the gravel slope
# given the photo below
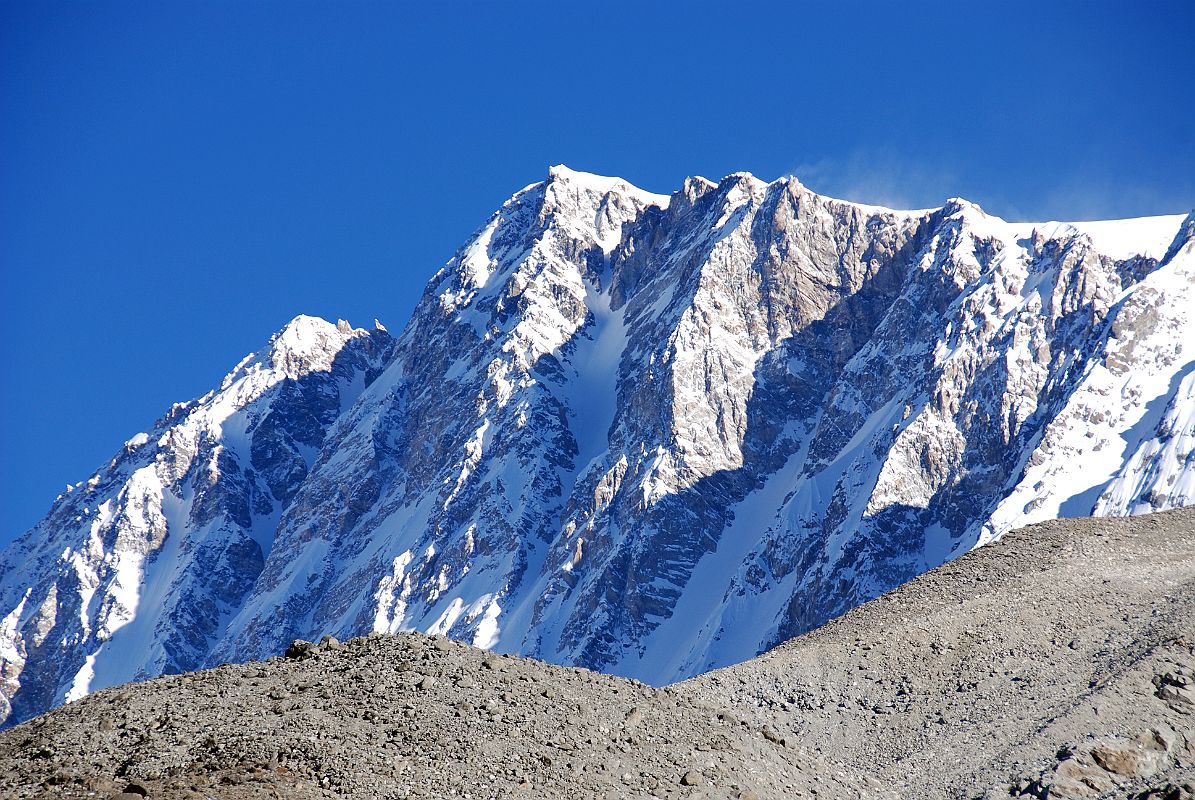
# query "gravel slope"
(1059, 662)
(979, 677)
(400, 716)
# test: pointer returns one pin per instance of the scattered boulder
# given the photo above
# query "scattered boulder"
(1130, 760)
(1176, 688)
(1074, 777)
(1169, 791)
(773, 737)
(300, 649)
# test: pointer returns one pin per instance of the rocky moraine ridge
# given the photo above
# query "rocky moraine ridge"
(1057, 663)
(647, 435)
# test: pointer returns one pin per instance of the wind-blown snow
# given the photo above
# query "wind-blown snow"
(1125, 238)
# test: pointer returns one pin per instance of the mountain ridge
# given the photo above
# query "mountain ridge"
(653, 437)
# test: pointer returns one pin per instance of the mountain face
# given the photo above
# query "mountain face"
(644, 434)
(137, 571)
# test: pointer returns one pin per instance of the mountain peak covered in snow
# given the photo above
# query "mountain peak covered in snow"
(642, 433)
(601, 185)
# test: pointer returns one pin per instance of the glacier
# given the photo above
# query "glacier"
(646, 434)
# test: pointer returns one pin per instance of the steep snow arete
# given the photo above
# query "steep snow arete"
(649, 435)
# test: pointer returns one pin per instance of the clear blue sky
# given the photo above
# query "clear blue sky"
(177, 180)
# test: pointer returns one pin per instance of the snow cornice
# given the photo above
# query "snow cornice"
(1163, 226)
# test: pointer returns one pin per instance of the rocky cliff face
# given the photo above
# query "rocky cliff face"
(135, 572)
(645, 434)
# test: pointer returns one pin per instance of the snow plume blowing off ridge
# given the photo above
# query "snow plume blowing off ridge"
(644, 434)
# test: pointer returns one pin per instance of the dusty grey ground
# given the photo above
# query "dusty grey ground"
(1059, 662)
(401, 716)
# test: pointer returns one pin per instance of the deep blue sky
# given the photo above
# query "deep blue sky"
(177, 180)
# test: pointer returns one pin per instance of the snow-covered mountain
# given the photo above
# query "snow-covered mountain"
(646, 434)
(136, 571)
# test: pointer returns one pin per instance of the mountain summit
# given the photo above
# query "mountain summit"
(645, 434)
